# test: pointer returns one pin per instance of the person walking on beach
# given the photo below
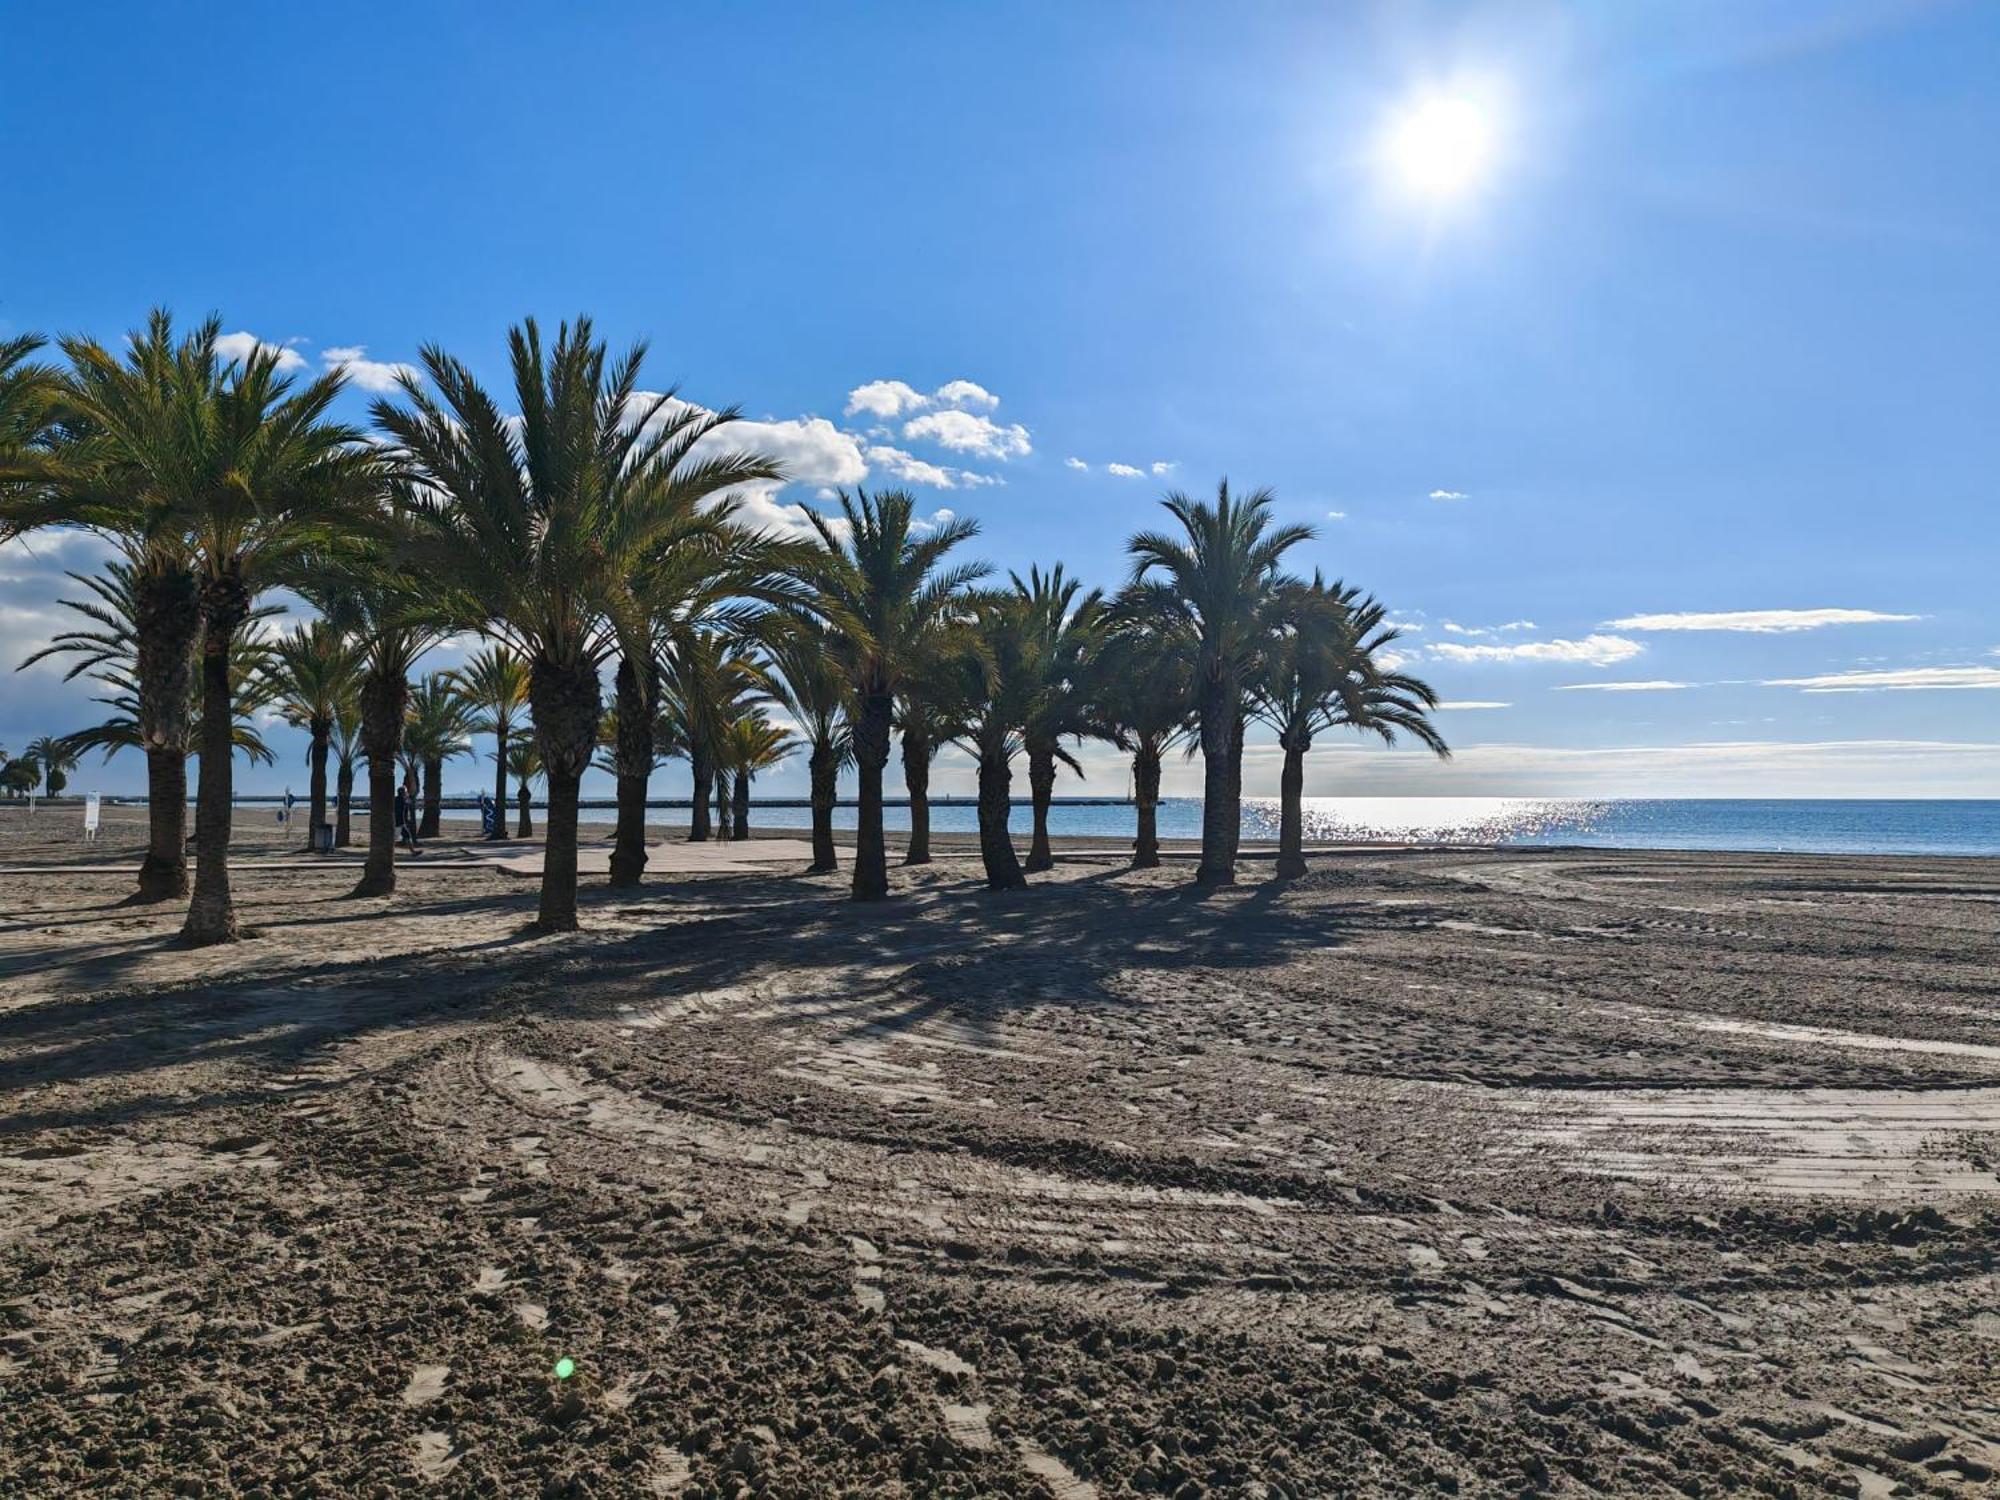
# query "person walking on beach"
(406, 815)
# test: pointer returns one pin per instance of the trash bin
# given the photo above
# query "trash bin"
(322, 839)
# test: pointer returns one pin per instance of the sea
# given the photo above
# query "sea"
(1777, 825)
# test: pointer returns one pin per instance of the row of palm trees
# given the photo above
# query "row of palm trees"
(589, 530)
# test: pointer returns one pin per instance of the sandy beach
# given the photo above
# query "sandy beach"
(1486, 1172)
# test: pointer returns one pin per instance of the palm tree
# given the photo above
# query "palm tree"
(218, 469)
(28, 415)
(538, 527)
(882, 590)
(1069, 629)
(439, 727)
(494, 681)
(1216, 578)
(711, 680)
(346, 750)
(755, 744)
(314, 669)
(1001, 681)
(1143, 701)
(929, 715)
(812, 690)
(1324, 667)
(524, 764)
(55, 758)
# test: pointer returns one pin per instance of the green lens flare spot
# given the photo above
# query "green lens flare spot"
(565, 1367)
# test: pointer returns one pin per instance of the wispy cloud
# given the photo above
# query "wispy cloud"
(1758, 621)
(1902, 680)
(1125, 471)
(1449, 495)
(1655, 686)
(1077, 464)
(1336, 515)
(1452, 627)
(894, 398)
(1592, 651)
(1163, 466)
(1469, 703)
(969, 432)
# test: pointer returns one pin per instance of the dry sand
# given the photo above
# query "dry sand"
(1487, 1172)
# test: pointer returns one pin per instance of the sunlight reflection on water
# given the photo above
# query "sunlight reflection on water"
(1430, 820)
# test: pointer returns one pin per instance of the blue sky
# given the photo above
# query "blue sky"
(1709, 336)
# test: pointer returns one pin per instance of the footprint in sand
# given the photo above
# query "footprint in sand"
(867, 1275)
(435, 1455)
(1423, 1258)
(426, 1384)
(1053, 1472)
(670, 1472)
(966, 1425)
(941, 1360)
(491, 1279)
(532, 1315)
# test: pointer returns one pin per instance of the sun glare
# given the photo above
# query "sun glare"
(1440, 146)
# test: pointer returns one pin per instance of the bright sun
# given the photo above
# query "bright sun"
(1440, 146)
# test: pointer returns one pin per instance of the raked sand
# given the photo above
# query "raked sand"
(1502, 1172)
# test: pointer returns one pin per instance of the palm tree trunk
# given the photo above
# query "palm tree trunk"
(825, 773)
(343, 827)
(1219, 813)
(500, 738)
(871, 754)
(211, 917)
(1291, 793)
(1235, 827)
(1146, 796)
(166, 619)
(568, 707)
(917, 752)
(384, 698)
(634, 754)
(722, 783)
(996, 846)
(164, 874)
(427, 827)
(1041, 787)
(322, 741)
(740, 808)
(704, 783)
(525, 828)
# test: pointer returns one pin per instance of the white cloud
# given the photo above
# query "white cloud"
(1904, 680)
(238, 347)
(965, 393)
(1077, 464)
(1125, 471)
(968, 432)
(907, 467)
(1449, 495)
(1593, 650)
(1162, 466)
(1336, 515)
(1470, 703)
(364, 373)
(939, 517)
(1759, 621)
(1655, 686)
(884, 398)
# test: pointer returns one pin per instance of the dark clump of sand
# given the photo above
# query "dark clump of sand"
(1478, 1172)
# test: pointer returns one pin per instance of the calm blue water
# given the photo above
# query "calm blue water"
(1784, 826)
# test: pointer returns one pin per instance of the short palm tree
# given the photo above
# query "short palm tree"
(494, 681)
(883, 588)
(755, 745)
(1142, 701)
(929, 715)
(55, 759)
(1324, 667)
(315, 669)
(1069, 624)
(813, 691)
(223, 470)
(438, 728)
(524, 764)
(1001, 682)
(711, 680)
(346, 751)
(1216, 578)
(538, 527)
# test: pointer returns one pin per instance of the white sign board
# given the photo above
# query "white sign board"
(90, 816)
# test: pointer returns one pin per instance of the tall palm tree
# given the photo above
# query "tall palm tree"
(55, 759)
(1069, 628)
(929, 715)
(494, 681)
(755, 744)
(223, 471)
(883, 588)
(812, 690)
(315, 669)
(1216, 578)
(524, 764)
(1143, 701)
(539, 526)
(438, 729)
(1324, 667)
(1001, 681)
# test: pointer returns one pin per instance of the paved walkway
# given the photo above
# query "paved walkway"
(676, 857)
